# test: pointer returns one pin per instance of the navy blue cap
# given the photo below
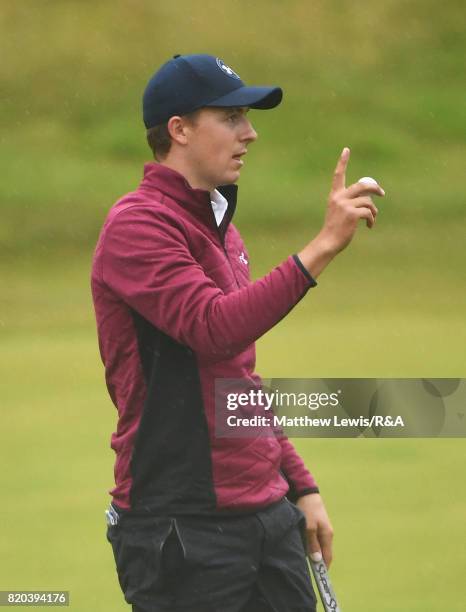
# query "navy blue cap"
(189, 82)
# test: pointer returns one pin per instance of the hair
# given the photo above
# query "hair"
(159, 139)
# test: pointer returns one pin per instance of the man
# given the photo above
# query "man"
(200, 522)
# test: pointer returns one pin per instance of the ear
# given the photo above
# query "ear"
(177, 129)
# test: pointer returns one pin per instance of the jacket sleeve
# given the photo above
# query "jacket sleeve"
(147, 262)
(300, 480)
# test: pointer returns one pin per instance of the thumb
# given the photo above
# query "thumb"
(315, 552)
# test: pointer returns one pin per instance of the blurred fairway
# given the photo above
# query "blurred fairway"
(384, 78)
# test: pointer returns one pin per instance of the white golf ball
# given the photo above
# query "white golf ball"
(368, 180)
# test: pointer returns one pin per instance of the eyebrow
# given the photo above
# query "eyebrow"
(242, 109)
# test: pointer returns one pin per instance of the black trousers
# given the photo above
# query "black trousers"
(250, 563)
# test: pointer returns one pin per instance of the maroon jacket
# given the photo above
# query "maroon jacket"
(176, 310)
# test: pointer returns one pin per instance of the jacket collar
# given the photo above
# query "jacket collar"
(196, 201)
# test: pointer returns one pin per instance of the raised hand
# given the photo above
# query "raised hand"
(346, 206)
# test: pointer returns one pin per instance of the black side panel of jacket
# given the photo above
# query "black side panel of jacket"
(171, 460)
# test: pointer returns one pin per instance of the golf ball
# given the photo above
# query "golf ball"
(368, 180)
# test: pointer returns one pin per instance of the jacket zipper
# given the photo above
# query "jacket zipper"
(230, 264)
(222, 242)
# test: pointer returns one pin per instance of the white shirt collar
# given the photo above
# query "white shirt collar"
(219, 205)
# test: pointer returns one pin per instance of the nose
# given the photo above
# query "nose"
(250, 134)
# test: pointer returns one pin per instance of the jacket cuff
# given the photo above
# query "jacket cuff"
(294, 495)
(299, 263)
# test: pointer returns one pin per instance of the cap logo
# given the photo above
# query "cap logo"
(226, 69)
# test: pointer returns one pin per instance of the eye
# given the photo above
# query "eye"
(233, 117)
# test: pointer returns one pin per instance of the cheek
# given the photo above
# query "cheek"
(206, 148)
(219, 146)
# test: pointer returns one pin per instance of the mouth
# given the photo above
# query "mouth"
(238, 156)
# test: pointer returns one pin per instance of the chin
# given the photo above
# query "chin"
(230, 178)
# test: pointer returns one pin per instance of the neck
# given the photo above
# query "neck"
(194, 181)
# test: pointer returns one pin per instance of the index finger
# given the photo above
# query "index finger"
(339, 177)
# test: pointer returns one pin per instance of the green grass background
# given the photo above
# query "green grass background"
(384, 78)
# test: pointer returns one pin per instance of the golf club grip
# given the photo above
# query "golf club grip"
(327, 594)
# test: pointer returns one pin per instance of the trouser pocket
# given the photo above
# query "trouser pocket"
(173, 554)
(149, 557)
(302, 527)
